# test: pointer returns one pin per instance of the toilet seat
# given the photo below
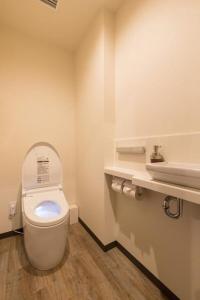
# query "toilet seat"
(56, 211)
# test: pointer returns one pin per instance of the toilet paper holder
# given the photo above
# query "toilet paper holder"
(119, 185)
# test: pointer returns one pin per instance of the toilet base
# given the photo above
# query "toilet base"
(45, 246)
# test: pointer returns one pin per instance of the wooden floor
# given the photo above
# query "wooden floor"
(87, 273)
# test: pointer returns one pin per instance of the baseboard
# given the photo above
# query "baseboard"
(10, 233)
(148, 274)
(105, 248)
(139, 265)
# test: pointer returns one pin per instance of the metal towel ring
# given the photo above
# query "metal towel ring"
(166, 207)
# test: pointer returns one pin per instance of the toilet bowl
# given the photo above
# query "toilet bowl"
(45, 210)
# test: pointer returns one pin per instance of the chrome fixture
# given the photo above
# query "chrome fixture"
(167, 207)
(139, 192)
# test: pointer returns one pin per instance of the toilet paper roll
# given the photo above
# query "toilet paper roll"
(129, 192)
(116, 187)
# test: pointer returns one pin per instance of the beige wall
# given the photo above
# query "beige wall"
(157, 67)
(95, 124)
(89, 122)
(36, 104)
(157, 93)
(152, 78)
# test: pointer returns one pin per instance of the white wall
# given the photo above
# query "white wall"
(153, 89)
(157, 67)
(157, 94)
(95, 124)
(36, 104)
(89, 121)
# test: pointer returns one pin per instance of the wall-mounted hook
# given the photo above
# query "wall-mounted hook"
(179, 207)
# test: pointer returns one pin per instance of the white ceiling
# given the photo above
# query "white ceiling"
(63, 26)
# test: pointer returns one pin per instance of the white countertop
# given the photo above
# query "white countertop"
(143, 179)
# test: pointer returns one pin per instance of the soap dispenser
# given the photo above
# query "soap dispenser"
(156, 156)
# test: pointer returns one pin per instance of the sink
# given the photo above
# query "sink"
(178, 173)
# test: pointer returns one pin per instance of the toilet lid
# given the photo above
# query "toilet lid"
(41, 167)
(45, 208)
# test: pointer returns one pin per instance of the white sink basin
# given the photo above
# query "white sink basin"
(177, 173)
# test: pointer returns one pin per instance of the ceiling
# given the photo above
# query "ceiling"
(63, 26)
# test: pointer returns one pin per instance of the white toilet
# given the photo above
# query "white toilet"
(44, 207)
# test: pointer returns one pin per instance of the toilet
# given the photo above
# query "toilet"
(45, 210)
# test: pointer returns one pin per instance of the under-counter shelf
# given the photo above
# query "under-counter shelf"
(144, 180)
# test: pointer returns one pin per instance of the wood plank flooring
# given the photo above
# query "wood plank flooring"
(86, 273)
